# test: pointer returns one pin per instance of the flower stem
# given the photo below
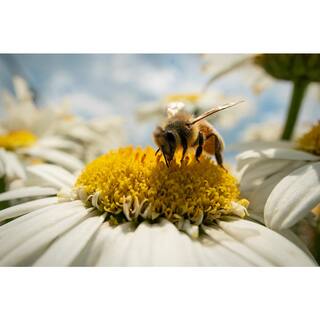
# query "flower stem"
(298, 93)
(3, 204)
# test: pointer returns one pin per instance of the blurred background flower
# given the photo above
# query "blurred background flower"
(28, 135)
(299, 70)
(121, 84)
(51, 133)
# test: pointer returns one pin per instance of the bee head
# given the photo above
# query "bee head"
(167, 143)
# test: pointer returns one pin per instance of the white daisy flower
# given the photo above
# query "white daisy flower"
(190, 101)
(260, 71)
(302, 70)
(27, 135)
(127, 208)
(95, 136)
(197, 103)
(261, 131)
(283, 182)
(218, 66)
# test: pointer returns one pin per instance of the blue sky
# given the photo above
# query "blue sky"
(117, 84)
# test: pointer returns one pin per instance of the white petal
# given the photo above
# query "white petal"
(32, 248)
(255, 172)
(55, 175)
(26, 207)
(258, 145)
(19, 233)
(27, 192)
(22, 219)
(64, 250)
(44, 122)
(21, 89)
(267, 243)
(148, 245)
(259, 194)
(17, 167)
(92, 252)
(12, 166)
(114, 242)
(293, 197)
(54, 156)
(236, 248)
(58, 172)
(82, 133)
(13, 223)
(236, 243)
(164, 246)
(273, 153)
(55, 142)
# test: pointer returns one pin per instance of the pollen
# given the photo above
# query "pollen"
(310, 141)
(134, 184)
(17, 139)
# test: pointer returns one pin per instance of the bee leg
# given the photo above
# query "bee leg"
(157, 151)
(219, 159)
(166, 160)
(200, 145)
(164, 156)
(184, 144)
(218, 154)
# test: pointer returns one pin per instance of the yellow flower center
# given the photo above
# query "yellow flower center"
(310, 141)
(68, 117)
(184, 97)
(135, 184)
(17, 139)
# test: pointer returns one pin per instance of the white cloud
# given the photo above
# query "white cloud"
(60, 82)
(156, 82)
(87, 105)
(129, 70)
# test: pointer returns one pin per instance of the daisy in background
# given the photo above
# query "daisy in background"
(51, 134)
(197, 103)
(126, 208)
(95, 136)
(284, 183)
(218, 66)
(265, 135)
(302, 70)
(258, 133)
(27, 136)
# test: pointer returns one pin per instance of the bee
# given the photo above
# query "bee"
(182, 130)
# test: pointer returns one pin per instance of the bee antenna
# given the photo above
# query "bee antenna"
(213, 111)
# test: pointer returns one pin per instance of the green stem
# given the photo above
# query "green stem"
(316, 252)
(3, 204)
(298, 93)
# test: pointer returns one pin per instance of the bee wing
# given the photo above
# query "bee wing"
(214, 110)
(174, 107)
